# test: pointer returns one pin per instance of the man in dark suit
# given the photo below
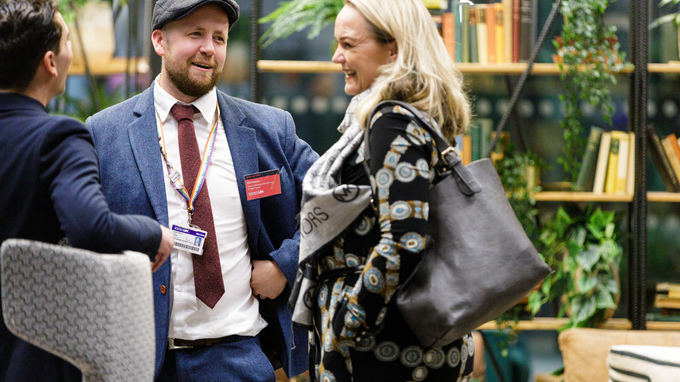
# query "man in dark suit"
(50, 183)
(182, 135)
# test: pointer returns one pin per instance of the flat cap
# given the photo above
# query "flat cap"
(170, 10)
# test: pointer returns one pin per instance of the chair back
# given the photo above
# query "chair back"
(93, 310)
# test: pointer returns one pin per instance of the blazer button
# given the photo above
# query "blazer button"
(163, 289)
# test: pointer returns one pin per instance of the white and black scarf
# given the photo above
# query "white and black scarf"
(328, 208)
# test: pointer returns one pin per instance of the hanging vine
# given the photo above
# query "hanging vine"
(588, 58)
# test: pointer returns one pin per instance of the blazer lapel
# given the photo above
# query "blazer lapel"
(144, 142)
(243, 146)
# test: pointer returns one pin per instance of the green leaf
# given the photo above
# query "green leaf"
(582, 308)
(604, 300)
(588, 257)
(586, 284)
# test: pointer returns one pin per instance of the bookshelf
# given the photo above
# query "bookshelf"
(636, 202)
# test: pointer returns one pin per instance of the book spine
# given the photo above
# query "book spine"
(449, 33)
(507, 25)
(672, 156)
(486, 126)
(482, 39)
(661, 160)
(476, 134)
(467, 148)
(584, 181)
(630, 178)
(491, 33)
(465, 31)
(515, 30)
(526, 19)
(457, 22)
(622, 167)
(602, 159)
(612, 166)
(474, 56)
(499, 47)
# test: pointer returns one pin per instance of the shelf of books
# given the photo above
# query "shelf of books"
(549, 323)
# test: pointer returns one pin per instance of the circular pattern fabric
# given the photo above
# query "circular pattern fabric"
(374, 280)
(453, 358)
(405, 172)
(323, 295)
(412, 356)
(413, 242)
(419, 373)
(400, 210)
(384, 178)
(387, 351)
(434, 358)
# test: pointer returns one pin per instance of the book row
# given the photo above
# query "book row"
(493, 33)
(665, 153)
(667, 296)
(608, 165)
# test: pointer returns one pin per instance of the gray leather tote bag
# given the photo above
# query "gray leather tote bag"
(480, 262)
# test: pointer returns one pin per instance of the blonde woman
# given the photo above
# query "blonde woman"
(354, 258)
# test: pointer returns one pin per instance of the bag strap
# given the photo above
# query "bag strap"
(467, 183)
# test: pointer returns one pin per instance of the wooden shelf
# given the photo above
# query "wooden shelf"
(116, 65)
(549, 323)
(272, 66)
(573, 196)
(569, 196)
(672, 197)
(671, 67)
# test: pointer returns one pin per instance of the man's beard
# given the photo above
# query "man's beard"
(187, 85)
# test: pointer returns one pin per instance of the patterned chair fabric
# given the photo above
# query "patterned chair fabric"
(93, 310)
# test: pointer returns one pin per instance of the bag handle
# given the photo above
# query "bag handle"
(467, 183)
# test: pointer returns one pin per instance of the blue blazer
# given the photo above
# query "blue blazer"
(260, 138)
(50, 190)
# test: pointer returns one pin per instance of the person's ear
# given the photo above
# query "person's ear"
(49, 63)
(157, 39)
(394, 51)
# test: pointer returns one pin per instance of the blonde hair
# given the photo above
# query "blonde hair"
(423, 73)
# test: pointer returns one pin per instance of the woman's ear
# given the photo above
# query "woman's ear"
(394, 51)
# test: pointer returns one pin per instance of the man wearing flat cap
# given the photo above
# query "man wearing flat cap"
(226, 175)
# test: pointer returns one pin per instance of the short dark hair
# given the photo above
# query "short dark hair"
(28, 30)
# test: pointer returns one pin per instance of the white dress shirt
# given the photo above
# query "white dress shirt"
(237, 311)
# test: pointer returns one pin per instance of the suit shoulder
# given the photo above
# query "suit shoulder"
(118, 112)
(258, 112)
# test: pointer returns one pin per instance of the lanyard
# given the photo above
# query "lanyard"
(175, 177)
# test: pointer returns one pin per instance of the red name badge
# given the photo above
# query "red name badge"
(263, 184)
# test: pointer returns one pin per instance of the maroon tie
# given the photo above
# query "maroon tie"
(207, 271)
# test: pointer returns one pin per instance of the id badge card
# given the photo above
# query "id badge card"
(263, 184)
(189, 239)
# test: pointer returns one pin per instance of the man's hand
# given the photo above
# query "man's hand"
(267, 280)
(164, 249)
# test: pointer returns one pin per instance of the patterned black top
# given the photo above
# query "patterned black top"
(360, 334)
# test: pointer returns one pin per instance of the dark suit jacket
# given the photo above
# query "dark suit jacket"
(50, 189)
(260, 138)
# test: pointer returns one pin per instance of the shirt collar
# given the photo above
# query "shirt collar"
(206, 104)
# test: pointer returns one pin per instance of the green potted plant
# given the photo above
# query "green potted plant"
(588, 58)
(674, 17)
(671, 18)
(295, 15)
(583, 251)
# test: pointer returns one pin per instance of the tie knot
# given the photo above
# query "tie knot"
(183, 112)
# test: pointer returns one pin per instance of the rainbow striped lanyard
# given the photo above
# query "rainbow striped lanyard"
(174, 175)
